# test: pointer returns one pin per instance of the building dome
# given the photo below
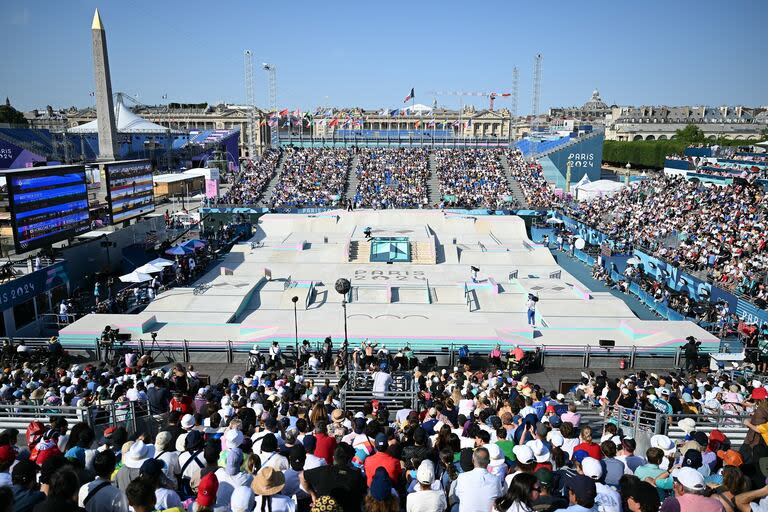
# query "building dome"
(595, 102)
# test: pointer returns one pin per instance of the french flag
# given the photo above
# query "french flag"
(409, 97)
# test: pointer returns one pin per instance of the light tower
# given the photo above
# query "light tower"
(250, 103)
(272, 74)
(536, 87)
(515, 89)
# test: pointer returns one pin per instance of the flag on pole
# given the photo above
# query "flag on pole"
(284, 112)
(418, 123)
(334, 122)
(409, 97)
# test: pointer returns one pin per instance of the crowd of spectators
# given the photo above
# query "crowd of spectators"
(480, 440)
(719, 231)
(537, 191)
(472, 178)
(253, 180)
(312, 177)
(392, 178)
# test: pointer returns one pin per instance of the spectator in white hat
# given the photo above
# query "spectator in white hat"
(425, 498)
(689, 496)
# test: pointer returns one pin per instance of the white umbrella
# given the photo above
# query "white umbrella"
(135, 277)
(634, 261)
(149, 268)
(553, 220)
(161, 262)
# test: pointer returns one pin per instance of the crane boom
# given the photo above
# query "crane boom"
(490, 95)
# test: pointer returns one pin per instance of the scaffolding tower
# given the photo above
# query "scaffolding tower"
(536, 87)
(250, 101)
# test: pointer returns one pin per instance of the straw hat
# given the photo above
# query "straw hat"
(268, 481)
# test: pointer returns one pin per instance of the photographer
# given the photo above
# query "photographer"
(691, 353)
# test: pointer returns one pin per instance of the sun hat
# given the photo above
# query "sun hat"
(268, 481)
(663, 443)
(180, 444)
(163, 441)
(687, 425)
(137, 454)
(232, 438)
(187, 422)
(337, 415)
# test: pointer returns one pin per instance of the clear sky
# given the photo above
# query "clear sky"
(370, 53)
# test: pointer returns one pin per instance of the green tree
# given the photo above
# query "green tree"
(8, 114)
(691, 134)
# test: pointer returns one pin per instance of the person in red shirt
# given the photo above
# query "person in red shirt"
(325, 444)
(381, 459)
(593, 449)
(182, 403)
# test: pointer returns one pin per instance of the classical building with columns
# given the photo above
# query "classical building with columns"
(661, 122)
(468, 122)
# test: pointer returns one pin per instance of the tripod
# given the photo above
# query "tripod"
(160, 351)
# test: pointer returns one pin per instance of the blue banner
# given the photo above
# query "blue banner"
(27, 287)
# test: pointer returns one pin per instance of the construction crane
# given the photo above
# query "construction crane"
(490, 95)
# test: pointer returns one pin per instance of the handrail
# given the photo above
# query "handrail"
(308, 299)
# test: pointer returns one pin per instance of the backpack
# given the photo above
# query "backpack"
(463, 352)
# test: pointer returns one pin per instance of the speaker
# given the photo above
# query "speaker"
(607, 343)
(342, 286)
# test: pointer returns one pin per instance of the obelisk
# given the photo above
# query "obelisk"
(105, 110)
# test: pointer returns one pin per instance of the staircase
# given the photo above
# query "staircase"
(266, 196)
(359, 252)
(514, 186)
(352, 181)
(433, 185)
(423, 252)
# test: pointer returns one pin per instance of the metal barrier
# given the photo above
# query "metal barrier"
(635, 422)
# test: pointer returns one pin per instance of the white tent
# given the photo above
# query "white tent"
(135, 277)
(583, 181)
(125, 120)
(597, 188)
(418, 108)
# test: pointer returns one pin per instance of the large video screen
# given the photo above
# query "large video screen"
(48, 204)
(130, 190)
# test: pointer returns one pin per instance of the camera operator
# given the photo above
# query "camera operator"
(691, 353)
(107, 341)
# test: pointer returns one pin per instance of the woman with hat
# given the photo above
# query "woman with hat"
(267, 486)
(230, 478)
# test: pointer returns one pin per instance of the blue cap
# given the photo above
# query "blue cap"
(309, 442)
(555, 421)
(580, 455)
(381, 485)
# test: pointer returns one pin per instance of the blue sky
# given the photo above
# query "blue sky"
(370, 54)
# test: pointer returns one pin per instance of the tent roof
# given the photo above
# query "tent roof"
(602, 185)
(126, 121)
